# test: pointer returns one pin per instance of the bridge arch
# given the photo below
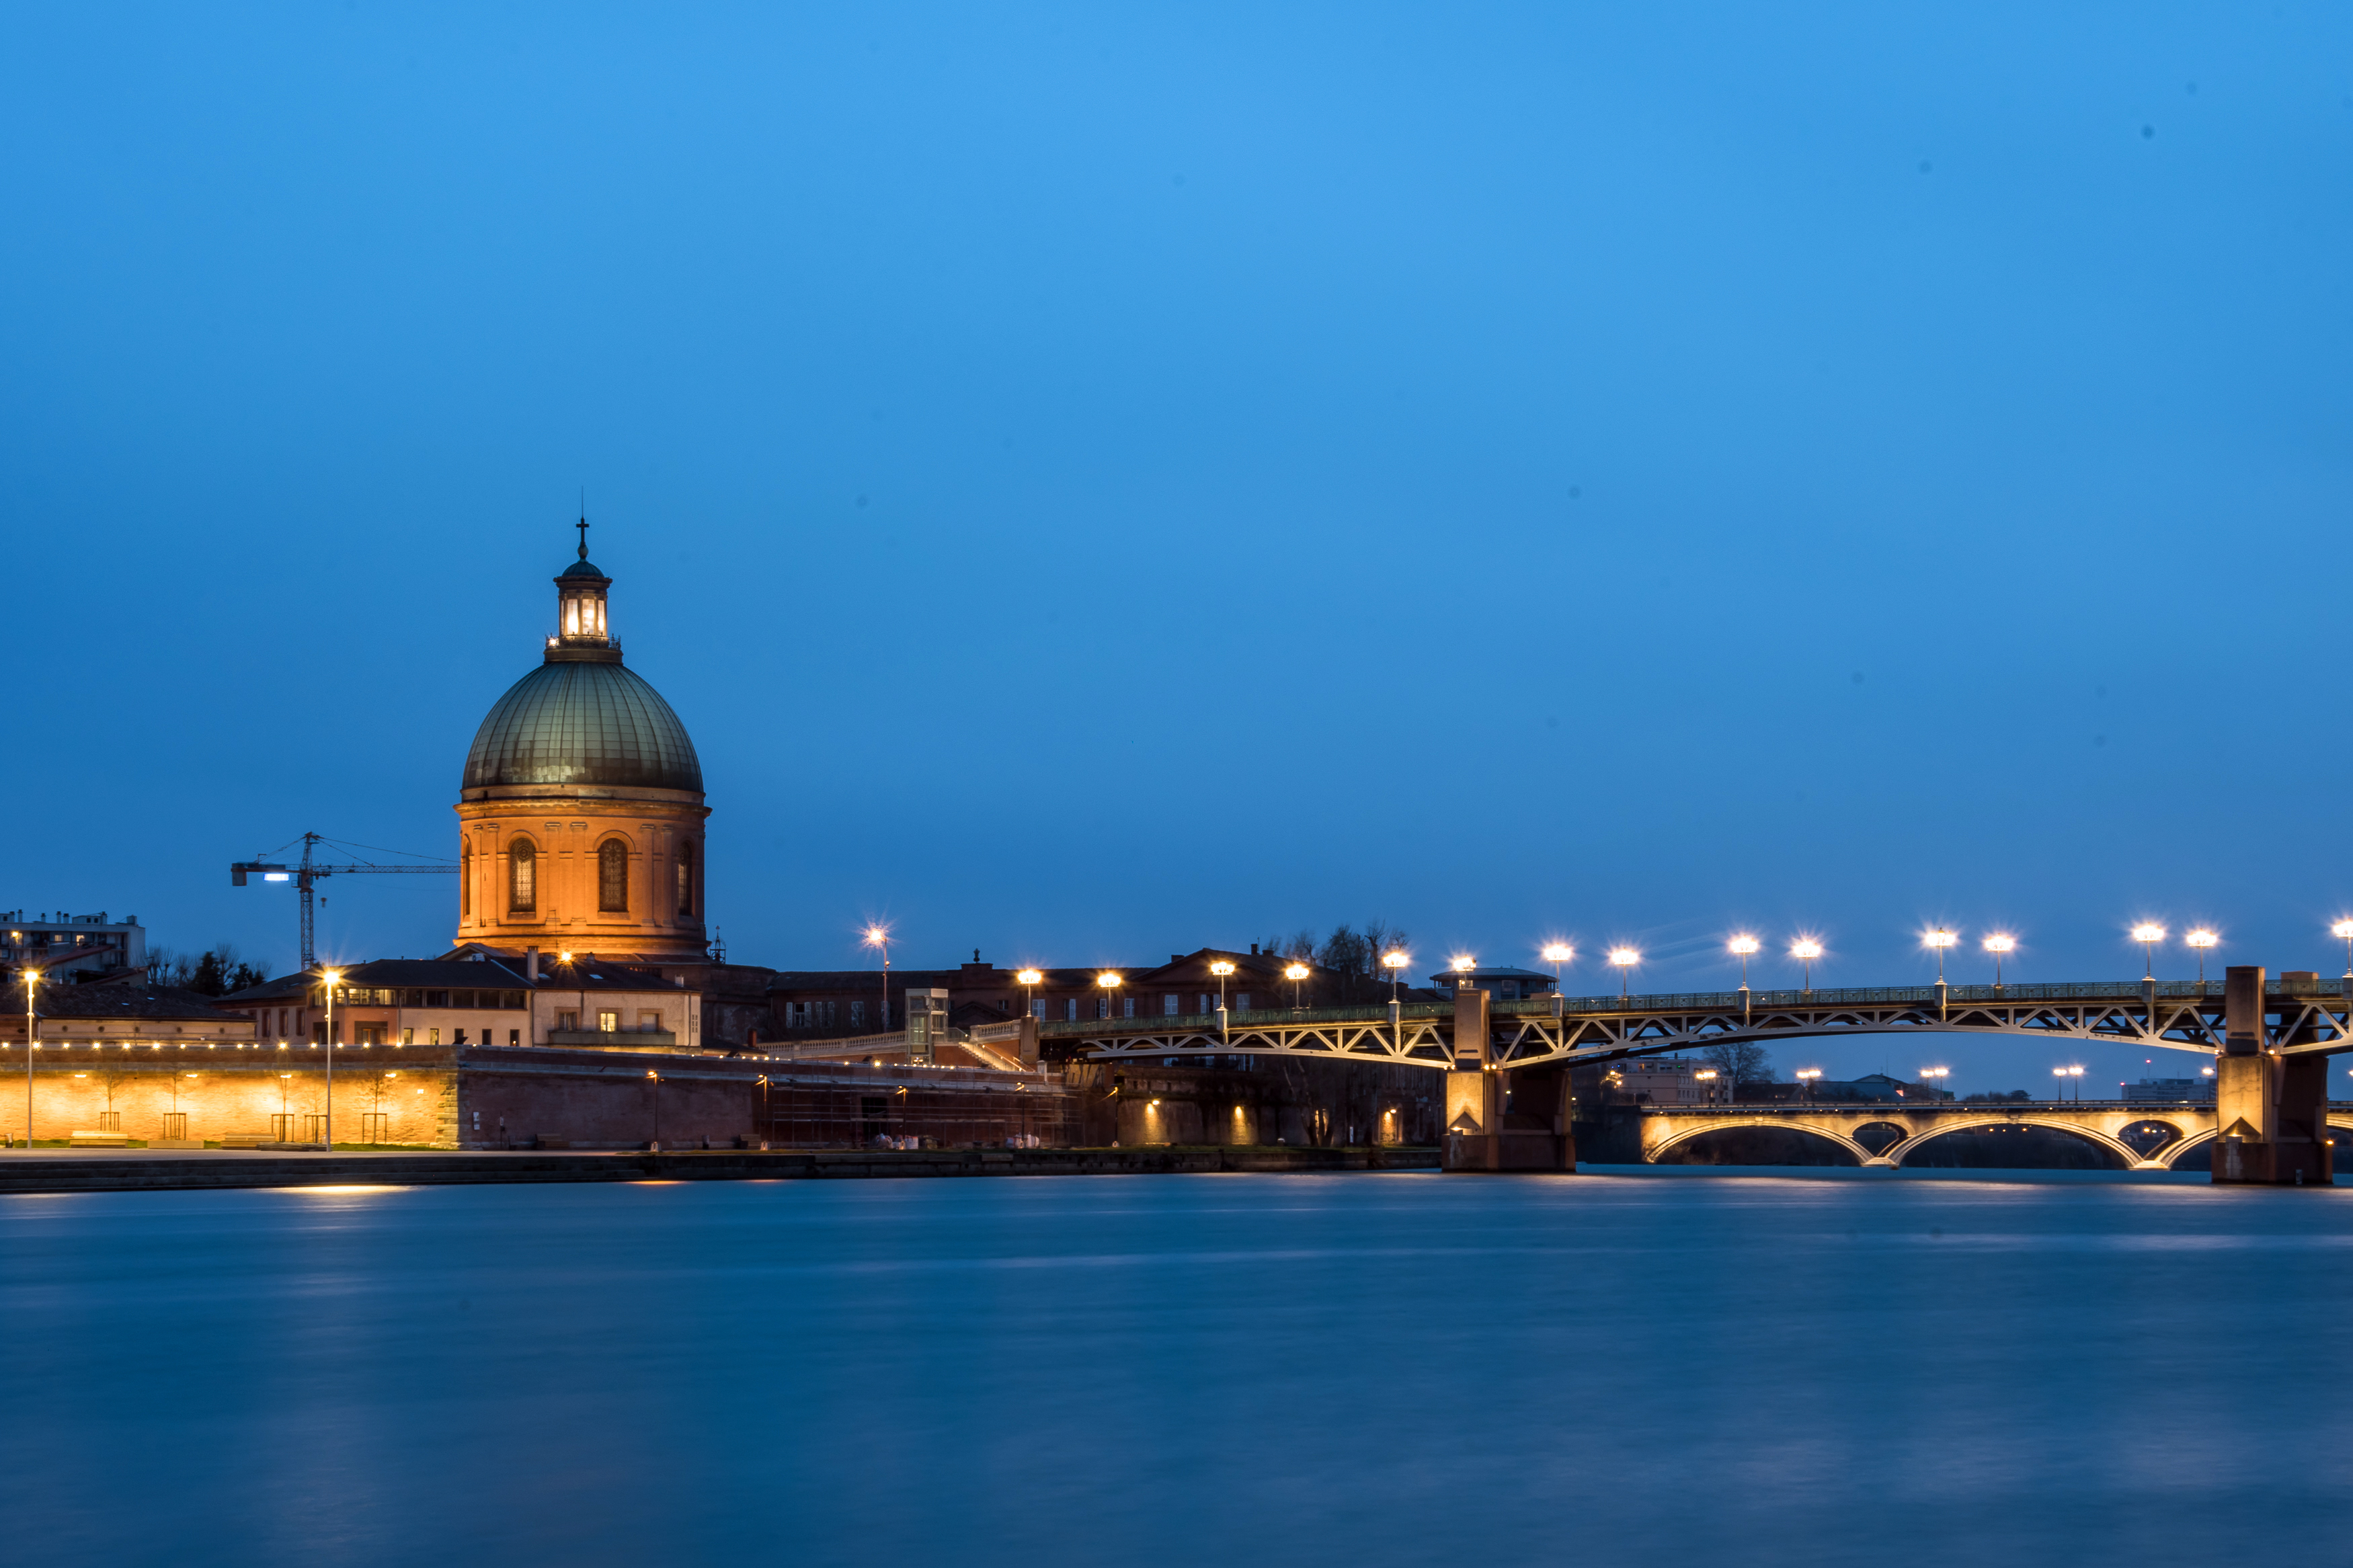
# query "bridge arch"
(1863, 1156)
(2117, 1146)
(2339, 1122)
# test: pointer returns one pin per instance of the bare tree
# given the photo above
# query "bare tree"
(1741, 1062)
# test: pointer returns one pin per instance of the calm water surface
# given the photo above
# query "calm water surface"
(1369, 1369)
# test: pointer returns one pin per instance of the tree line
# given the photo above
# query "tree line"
(215, 972)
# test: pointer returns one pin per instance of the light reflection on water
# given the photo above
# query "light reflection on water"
(1367, 1368)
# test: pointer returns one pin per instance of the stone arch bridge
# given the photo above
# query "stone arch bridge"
(2104, 1125)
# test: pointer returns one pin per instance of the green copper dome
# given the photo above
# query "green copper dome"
(583, 722)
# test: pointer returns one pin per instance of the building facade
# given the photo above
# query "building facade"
(62, 944)
(583, 1001)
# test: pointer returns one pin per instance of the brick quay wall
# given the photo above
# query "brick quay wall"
(499, 1096)
(46, 1170)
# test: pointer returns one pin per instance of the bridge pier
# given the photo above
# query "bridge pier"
(1480, 1134)
(2271, 1111)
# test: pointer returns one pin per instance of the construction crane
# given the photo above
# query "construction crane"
(307, 870)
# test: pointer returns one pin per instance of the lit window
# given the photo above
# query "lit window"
(608, 1021)
(613, 876)
(523, 877)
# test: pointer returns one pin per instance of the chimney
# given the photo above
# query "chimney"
(1253, 949)
(531, 964)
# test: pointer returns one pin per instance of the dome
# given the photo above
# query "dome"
(582, 723)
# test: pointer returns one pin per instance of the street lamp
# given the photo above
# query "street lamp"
(2149, 935)
(1394, 961)
(2343, 930)
(1028, 980)
(1998, 945)
(332, 977)
(1937, 1074)
(1625, 958)
(1712, 1076)
(1805, 950)
(2063, 1075)
(32, 978)
(879, 935)
(1109, 981)
(653, 1076)
(1940, 939)
(1745, 946)
(1558, 954)
(2201, 939)
(1807, 1076)
(1294, 973)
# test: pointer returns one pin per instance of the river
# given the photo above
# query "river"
(1633, 1368)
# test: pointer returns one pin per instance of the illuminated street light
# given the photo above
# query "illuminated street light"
(334, 977)
(1712, 1076)
(1807, 1076)
(1747, 947)
(1558, 954)
(877, 935)
(1940, 939)
(1625, 958)
(1110, 980)
(1295, 973)
(1998, 945)
(1805, 950)
(2201, 939)
(1394, 960)
(32, 978)
(2066, 1074)
(2149, 935)
(2344, 930)
(1939, 1074)
(1029, 980)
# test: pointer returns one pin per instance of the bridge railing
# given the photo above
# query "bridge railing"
(1258, 1017)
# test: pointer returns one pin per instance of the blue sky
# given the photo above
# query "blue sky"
(1097, 481)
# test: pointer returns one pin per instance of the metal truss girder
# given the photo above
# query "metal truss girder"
(1371, 1043)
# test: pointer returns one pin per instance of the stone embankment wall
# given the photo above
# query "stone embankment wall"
(85, 1171)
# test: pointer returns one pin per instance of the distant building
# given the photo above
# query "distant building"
(2170, 1091)
(63, 945)
(433, 1001)
(830, 1003)
(1664, 1080)
(1502, 984)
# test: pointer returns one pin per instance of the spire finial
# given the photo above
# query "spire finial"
(583, 526)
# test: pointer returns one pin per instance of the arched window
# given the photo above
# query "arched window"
(466, 883)
(613, 875)
(522, 878)
(686, 877)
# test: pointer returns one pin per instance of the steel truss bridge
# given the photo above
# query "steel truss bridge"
(2300, 1017)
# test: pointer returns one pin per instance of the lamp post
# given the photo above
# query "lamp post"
(1807, 1076)
(654, 1076)
(2149, 935)
(2065, 1075)
(1109, 981)
(1805, 950)
(2201, 939)
(1028, 980)
(32, 978)
(331, 976)
(1712, 1076)
(1556, 954)
(879, 935)
(2344, 930)
(1395, 962)
(1940, 939)
(1998, 944)
(1934, 1077)
(1221, 968)
(1294, 973)
(1625, 958)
